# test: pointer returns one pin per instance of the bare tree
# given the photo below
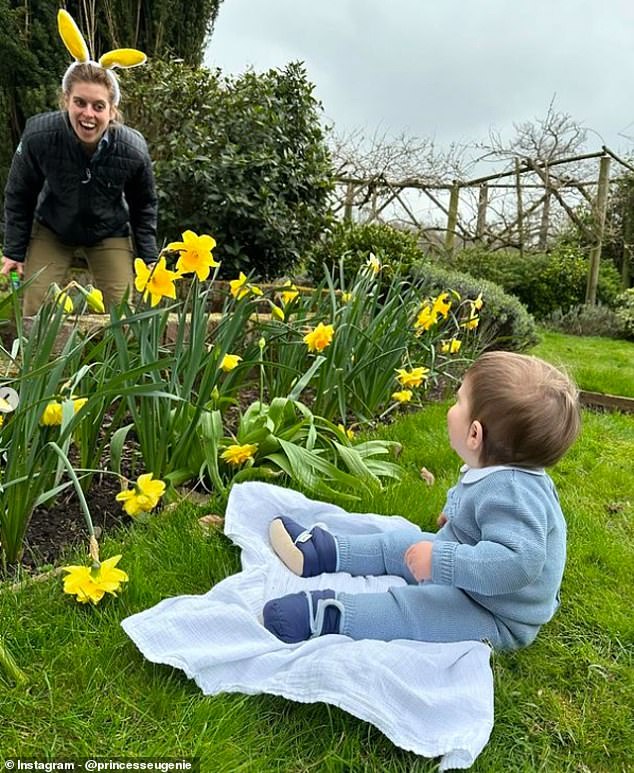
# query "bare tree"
(535, 145)
(402, 156)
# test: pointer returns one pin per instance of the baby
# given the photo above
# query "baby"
(494, 569)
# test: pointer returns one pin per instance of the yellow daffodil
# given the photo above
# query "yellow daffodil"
(472, 323)
(404, 396)
(426, 318)
(52, 415)
(451, 347)
(238, 287)
(349, 433)
(144, 497)
(94, 300)
(373, 264)
(319, 338)
(79, 403)
(442, 305)
(478, 303)
(277, 313)
(413, 377)
(1, 419)
(155, 281)
(346, 297)
(229, 362)
(290, 294)
(195, 254)
(64, 300)
(239, 454)
(91, 584)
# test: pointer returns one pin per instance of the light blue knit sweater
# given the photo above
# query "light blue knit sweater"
(504, 543)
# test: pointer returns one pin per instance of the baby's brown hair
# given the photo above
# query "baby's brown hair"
(528, 409)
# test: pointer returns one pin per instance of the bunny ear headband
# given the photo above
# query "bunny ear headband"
(76, 45)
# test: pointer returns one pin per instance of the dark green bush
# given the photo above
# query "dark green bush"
(504, 321)
(243, 159)
(544, 283)
(353, 243)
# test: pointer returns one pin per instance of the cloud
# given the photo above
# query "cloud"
(449, 69)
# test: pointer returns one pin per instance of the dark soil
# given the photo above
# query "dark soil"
(62, 525)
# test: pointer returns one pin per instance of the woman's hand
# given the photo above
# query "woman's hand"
(9, 265)
(418, 560)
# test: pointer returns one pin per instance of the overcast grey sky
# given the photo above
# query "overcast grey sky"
(446, 69)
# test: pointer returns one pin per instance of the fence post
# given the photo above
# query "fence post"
(628, 236)
(520, 206)
(600, 208)
(452, 217)
(545, 222)
(348, 203)
(481, 223)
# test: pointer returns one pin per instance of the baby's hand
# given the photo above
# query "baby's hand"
(441, 521)
(418, 560)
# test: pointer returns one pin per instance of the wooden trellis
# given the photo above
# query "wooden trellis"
(372, 196)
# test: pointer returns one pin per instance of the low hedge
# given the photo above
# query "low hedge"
(544, 283)
(504, 321)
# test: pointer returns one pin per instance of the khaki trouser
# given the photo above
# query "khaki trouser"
(109, 261)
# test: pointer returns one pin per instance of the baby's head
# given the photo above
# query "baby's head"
(516, 410)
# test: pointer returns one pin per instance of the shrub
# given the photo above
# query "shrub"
(244, 159)
(542, 282)
(587, 320)
(625, 312)
(505, 322)
(352, 244)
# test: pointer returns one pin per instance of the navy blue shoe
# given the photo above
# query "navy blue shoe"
(307, 552)
(300, 616)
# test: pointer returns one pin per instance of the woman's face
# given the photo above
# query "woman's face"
(89, 112)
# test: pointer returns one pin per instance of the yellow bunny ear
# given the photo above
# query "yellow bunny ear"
(72, 37)
(122, 57)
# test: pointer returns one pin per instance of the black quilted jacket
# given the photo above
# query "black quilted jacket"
(83, 200)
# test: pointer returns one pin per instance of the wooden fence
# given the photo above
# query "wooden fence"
(533, 194)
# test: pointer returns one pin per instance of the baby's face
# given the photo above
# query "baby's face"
(460, 427)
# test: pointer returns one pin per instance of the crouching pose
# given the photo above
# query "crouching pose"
(494, 569)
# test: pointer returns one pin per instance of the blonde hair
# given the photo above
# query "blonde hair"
(528, 409)
(87, 72)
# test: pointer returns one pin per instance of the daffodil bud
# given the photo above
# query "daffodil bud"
(62, 297)
(94, 300)
(262, 343)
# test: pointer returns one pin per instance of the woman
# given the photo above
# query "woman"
(80, 179)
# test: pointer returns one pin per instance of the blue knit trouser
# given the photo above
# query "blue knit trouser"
(424, 612)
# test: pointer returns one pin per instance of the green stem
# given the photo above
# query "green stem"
(78, 488)
(10, 667)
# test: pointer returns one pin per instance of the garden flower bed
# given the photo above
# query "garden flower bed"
(171, 375)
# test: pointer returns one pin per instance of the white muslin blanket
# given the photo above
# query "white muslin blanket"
(432, 699)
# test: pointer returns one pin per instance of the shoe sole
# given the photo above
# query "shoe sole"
(285, 548)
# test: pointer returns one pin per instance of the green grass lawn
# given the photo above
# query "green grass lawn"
(597, 364)
(564, 704)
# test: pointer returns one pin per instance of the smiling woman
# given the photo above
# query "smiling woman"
(80, 181)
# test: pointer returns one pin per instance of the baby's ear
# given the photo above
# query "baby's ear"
(122, 57)
(72, 37)
(476, 436)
